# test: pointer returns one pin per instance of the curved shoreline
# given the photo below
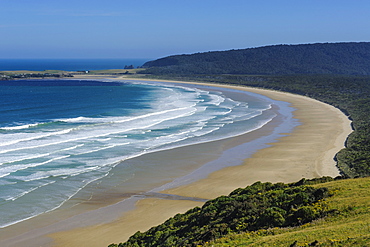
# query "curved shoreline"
(307, 151)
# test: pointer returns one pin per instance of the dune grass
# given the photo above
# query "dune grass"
(348, 226)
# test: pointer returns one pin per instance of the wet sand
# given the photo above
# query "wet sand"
(307, 151)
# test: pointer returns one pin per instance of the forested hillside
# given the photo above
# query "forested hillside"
(322, 58)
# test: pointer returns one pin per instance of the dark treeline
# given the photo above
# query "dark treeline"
(325, 58)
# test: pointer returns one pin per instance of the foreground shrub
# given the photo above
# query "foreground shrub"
(259, 206)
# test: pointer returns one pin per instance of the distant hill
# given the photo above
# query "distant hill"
(321, 58)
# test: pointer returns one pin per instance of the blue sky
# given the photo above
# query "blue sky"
(158, 28)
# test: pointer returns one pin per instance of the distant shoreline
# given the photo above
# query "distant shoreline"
(61, 74)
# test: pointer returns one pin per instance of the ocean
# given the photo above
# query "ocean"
(68, 64)
(59, 137)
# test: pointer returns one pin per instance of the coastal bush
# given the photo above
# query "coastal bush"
(259, 206)
(346, 225)
(328, 58)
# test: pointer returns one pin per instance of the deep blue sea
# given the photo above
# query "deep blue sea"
(68, 64)
(58, 136)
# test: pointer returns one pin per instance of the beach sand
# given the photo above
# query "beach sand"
(307, 151)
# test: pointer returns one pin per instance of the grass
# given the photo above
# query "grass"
(349, 225)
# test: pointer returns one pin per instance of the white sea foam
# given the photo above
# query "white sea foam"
(15, 168)
(216, 99)
(57, 173)
(102, 148)
(70, 153)
(21, 158)
(23, 193)
(19, 127)
(31, 137)
(4, 175)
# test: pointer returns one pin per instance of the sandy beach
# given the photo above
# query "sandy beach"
(307, 151)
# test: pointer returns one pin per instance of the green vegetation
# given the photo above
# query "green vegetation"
(259, 206)
(329, 58)
(318, 212)
(25, 74)
(349, 225)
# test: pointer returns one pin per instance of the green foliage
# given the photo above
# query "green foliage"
(348, 225)
(329, 58)
(259, 206)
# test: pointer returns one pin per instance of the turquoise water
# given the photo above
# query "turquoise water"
(59, 136)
